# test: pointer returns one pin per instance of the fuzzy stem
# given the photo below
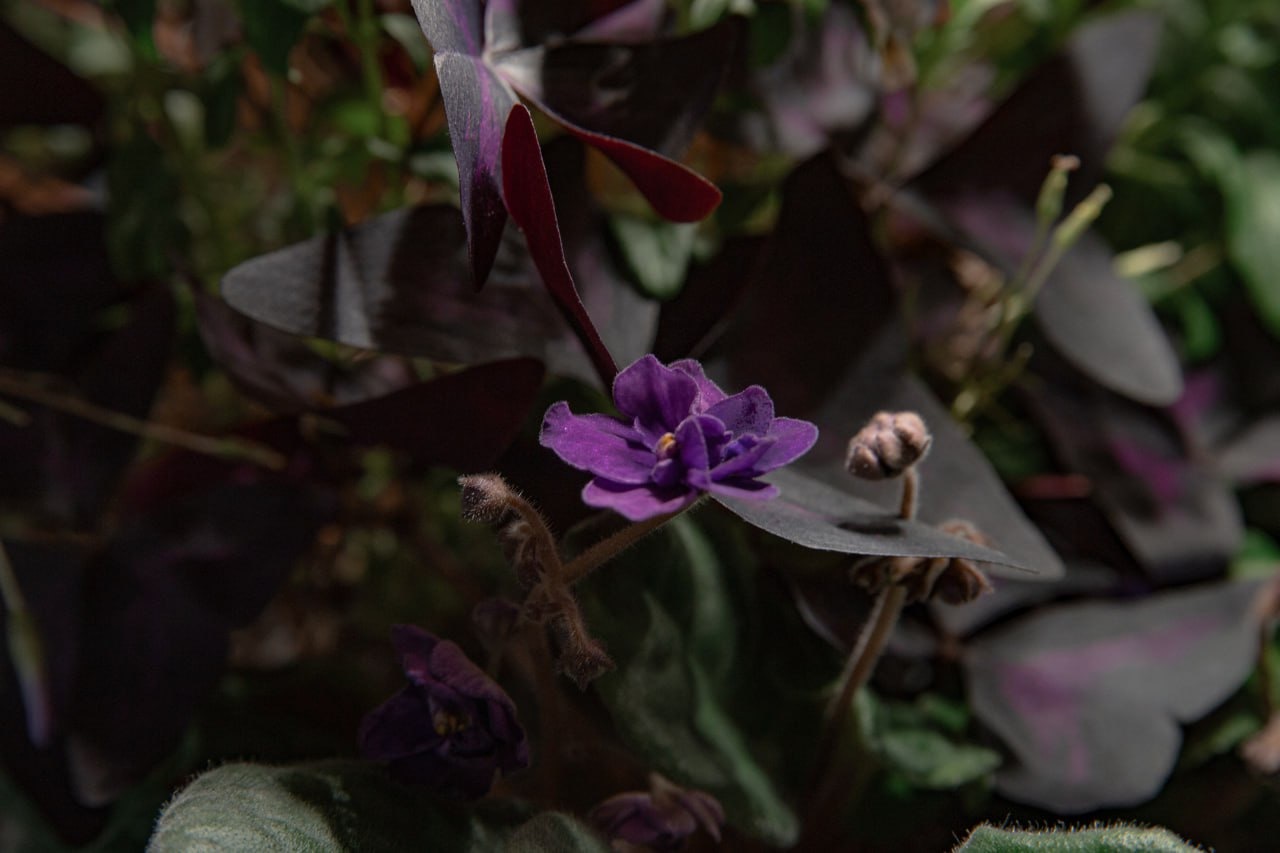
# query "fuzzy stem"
(611, 546)
(29, 387)
(910, 494)
(862, 661)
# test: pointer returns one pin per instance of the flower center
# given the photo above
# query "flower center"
(666, 446)
(447, 724)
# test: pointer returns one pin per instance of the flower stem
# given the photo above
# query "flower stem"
(611, 546)
(910, 494)
(26, 652)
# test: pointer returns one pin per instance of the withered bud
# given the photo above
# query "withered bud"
(486, 498)
(920, 583)
(966, 530)
(961, 583)
(872, 574)
(520, 546)
(494, 620)
(889, 444)
(578, 655)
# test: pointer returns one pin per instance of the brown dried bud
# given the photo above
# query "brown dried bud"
(961, 583)
(920, 583)
(520, 546)
(965, 530)
(889, 444)
(486, 498)
(578, 655)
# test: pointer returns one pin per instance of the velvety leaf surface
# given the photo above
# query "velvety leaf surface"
(337, 805)
(532, 207)
(1090, 697)
(398, 283)
(551, 831)
(1092, 85)
(816, 515)
(1098, 320)
(1120, 838)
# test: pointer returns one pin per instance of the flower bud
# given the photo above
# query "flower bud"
(486, 498)
(661, 819)
(578, 655)
(889, 444)
(961, 582)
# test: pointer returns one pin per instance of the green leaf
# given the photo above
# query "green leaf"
(328, 806)
(552, 832)
(139, 17)
(144, 225)
(1253, 232)
(657, 614)
(656, 253)
(912, 740)
(1111, 839)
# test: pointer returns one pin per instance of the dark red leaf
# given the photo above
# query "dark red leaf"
(529, 199)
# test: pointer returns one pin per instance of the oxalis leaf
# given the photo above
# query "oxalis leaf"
(1253, 220)
(345, 805)
(816, 515)
(1089, 697)
(1121, 838)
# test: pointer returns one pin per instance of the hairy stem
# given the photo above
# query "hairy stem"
(611, 546)
(32, 387)
(910, 494)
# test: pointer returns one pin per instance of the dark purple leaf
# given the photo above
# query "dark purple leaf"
(281, 371)
(532, 208)
(1090, 697)
(819, 296)
(1098, 320)
(160, 604)
(613, 20)
(652, 94)
(476, 102)
(463, 420)
(690, 323)
(60, 98)
(453, 26)
(1091, 86)
(399, 283)
(636, 21)
(815, 515)
(1174, 514)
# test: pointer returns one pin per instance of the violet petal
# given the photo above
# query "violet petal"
(597, 443)
(709, 393)
(748, 411)
(636, 503)
(792, 438)
(657, 397)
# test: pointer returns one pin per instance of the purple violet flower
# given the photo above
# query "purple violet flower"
(662, 819)
(451, 729)
(681, 436)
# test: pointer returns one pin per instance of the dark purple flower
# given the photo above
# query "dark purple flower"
(661, 819)
(451, 729)
(681, 436)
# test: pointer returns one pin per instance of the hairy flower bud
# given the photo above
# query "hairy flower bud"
(889, 444)
(578, 655)
(486, 498)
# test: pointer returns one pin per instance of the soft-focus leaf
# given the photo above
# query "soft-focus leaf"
(61, 98)
(327, 806)
(1168, 506)
(1253, 223)
(1095, 318)
(911, 743)
(1090, 697)
(1253, 456)
(160, 604)
(551, 832)
(1110, 839)
(816, 515)
(532, 207)
(272, 27)
(1092, 85)
(657, 253)
(399, 283)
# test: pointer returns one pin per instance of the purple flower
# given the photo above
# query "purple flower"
(451, 729)
(661, 819)
(681, 436)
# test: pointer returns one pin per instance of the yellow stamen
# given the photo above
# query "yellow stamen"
(446, 724)
(666, 447)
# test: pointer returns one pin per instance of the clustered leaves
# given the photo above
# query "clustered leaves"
(286, 284)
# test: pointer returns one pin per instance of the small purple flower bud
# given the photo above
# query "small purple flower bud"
(680, 436)
(889, 444)
(452, 729)
(661, 819)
